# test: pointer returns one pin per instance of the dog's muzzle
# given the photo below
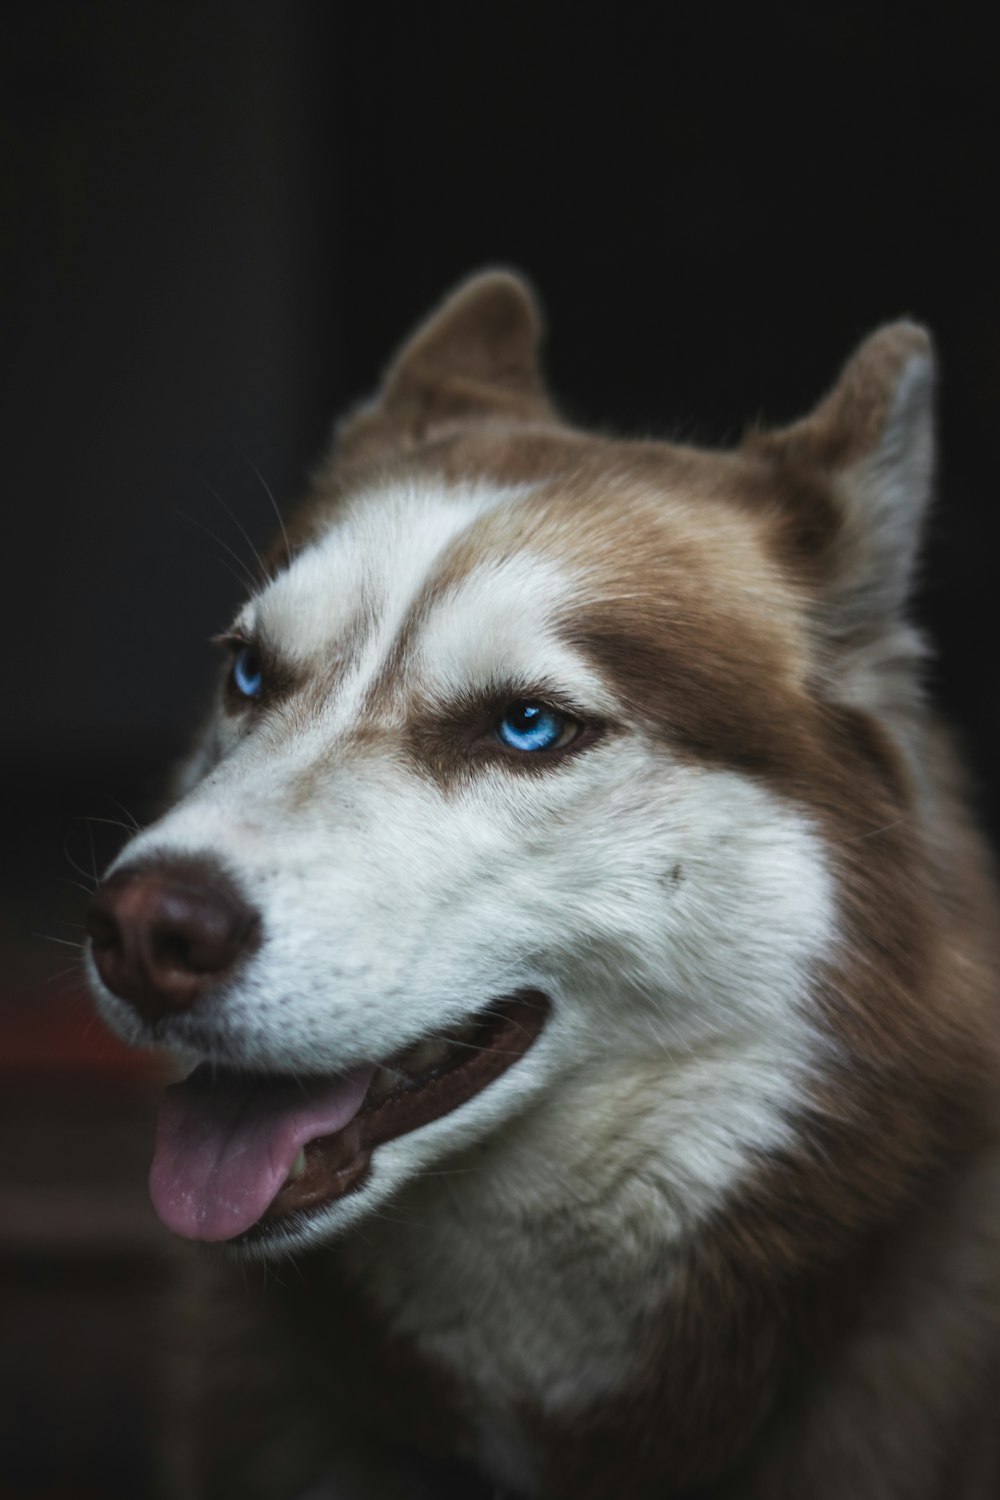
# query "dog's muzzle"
(239, 1153)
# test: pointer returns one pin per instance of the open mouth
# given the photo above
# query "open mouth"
(237, 1153)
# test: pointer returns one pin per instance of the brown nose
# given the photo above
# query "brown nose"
(162, 935)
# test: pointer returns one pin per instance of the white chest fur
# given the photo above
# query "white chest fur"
(531, 1275)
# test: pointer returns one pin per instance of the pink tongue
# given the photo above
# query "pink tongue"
(225, 1145)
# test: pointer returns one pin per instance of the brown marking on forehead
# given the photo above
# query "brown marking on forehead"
(636, 503)
(682, 606)
(694, 582)
(678, 604)
(771, 488)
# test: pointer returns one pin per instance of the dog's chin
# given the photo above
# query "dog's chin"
(263, 1163)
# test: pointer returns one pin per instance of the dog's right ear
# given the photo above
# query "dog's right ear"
(475, 359)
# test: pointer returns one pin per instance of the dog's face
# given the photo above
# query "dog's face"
(515, 782)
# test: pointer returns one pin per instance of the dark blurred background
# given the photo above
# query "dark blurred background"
(221, 219)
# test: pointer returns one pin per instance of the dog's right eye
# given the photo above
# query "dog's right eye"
(247, 676)
(528, 725)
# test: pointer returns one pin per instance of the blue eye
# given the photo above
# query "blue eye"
(247, 676)
(534, 726)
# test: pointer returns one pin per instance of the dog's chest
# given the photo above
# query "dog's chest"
(507, 1326)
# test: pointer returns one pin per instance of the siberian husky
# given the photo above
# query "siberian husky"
(586, 960)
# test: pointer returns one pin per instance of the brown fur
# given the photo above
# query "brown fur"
(834, 1333)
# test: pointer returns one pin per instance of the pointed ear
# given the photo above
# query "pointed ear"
(475, 359)
(872, 439)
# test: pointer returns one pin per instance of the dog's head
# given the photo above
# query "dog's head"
(526, 788)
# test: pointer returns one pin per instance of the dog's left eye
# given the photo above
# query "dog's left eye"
(527, 725)
(247, 676)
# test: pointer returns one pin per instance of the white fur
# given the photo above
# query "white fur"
(672, 913)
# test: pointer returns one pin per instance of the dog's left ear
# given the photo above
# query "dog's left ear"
(871, 444)
(475, 359)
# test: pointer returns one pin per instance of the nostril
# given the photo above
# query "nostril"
(199, 937)
(173, 950)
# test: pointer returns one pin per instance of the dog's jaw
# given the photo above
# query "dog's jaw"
(250, 1160)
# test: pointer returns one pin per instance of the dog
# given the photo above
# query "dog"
(586, 959)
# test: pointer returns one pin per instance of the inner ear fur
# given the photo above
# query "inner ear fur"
(859, 469)
(475, 359)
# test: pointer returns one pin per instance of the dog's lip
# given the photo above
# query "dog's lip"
(338, 1164)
